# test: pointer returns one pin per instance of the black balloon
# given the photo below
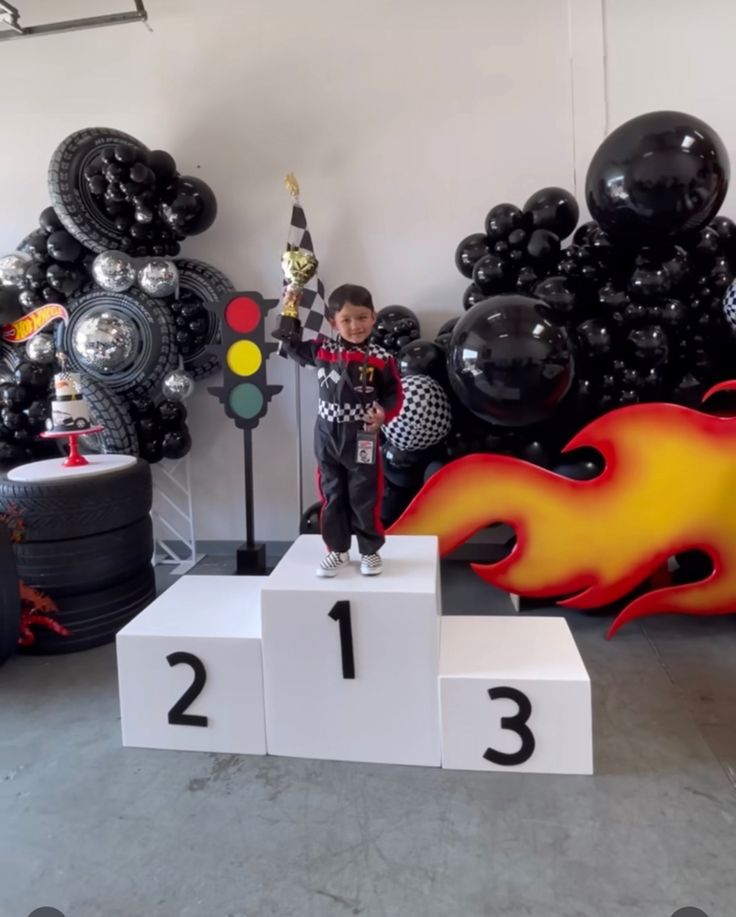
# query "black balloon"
(471, 249)
(558, 295)
(162, 164)
(502, 220)
(63, 246)
(151, 450)
(472, 295)
(176, 444)
(172, 414)
(189, 206)
(32, 375)
(492, 274)
(649, 344)
(49, 221)
(649, 282)
(445, 333)
(661, 174)
(421, 358)
(554, 209)
(141, 407)
(543, 245)
(595, 337)
(581, 234)
(64, 279)
(36, 245)
(509, 362)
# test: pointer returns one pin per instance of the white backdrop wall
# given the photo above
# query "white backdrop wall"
(404, 123)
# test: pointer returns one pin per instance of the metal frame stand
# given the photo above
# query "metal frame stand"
(173, 515)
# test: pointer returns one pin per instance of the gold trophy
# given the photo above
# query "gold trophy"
(298, 266)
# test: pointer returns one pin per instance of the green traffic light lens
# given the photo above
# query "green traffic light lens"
(246, 400)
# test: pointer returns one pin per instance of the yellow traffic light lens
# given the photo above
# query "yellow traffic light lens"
(244, 358)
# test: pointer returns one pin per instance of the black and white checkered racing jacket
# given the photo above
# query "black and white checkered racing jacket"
(351, 378)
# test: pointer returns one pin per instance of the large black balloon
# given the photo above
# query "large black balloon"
(554, 209)
(661, 174)
(509, 362)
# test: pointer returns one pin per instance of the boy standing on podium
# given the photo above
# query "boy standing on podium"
(359, 391)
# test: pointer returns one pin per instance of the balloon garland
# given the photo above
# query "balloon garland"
(106, 250)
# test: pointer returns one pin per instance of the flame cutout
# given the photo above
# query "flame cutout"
(669, 485)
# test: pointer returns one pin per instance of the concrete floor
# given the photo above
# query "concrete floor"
(97, 830)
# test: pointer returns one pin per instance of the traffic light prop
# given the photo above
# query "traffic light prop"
(245, 392)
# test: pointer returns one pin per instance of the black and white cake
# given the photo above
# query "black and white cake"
(69, 410)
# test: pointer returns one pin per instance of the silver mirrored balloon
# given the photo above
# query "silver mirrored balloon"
(6, 378)
(106, 341)
(178, 385)
(13, 268)
(158, 277)
(114, 271)
(41, 349)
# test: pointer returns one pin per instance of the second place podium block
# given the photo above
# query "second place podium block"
(350, 664)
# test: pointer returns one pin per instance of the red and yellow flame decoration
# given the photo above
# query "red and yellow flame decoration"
(669, 485)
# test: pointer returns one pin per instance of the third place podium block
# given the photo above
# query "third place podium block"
(515, 695)
(350, 664)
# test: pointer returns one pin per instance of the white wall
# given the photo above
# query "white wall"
(404, 122)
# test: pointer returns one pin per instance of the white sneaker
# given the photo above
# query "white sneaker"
(332, 562)
(370, 564)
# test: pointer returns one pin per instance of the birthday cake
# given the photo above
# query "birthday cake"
(69, 410)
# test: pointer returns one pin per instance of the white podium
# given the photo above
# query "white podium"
(351, 663)
(190, 669)
(515, 696)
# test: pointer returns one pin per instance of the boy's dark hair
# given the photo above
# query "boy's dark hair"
(348, 292)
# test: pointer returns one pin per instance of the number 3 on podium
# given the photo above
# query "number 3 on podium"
(515, 723)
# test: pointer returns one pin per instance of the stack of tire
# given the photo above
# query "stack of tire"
(87, 543)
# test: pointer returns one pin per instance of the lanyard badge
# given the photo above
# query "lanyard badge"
(365, 448)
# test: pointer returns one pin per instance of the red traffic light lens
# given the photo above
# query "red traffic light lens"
(242, 314)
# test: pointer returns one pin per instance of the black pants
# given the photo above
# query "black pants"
(351, 492)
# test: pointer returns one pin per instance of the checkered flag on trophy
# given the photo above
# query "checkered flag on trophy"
(312, 306)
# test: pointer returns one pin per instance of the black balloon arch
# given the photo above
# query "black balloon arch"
(564, 322)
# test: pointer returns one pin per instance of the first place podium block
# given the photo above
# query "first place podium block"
(350, 664)
(190, 668)
(515, 695)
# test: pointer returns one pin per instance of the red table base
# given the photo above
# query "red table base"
(75, 458)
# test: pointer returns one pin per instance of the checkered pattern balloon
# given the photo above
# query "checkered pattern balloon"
(729, 305)
(425, 416)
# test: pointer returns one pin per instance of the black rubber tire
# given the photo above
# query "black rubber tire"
(118, 435)
(80, 565)
(80, 506)
(11, 355)
(208, 285)
(156, 328)
(96, 617)
(74, 204)
(9, 599)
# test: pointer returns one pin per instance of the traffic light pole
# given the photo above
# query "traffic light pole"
(251, 557)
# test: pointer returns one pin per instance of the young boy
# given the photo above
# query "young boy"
(359, 391)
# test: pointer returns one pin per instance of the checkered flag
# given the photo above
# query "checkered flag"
(313, 304)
